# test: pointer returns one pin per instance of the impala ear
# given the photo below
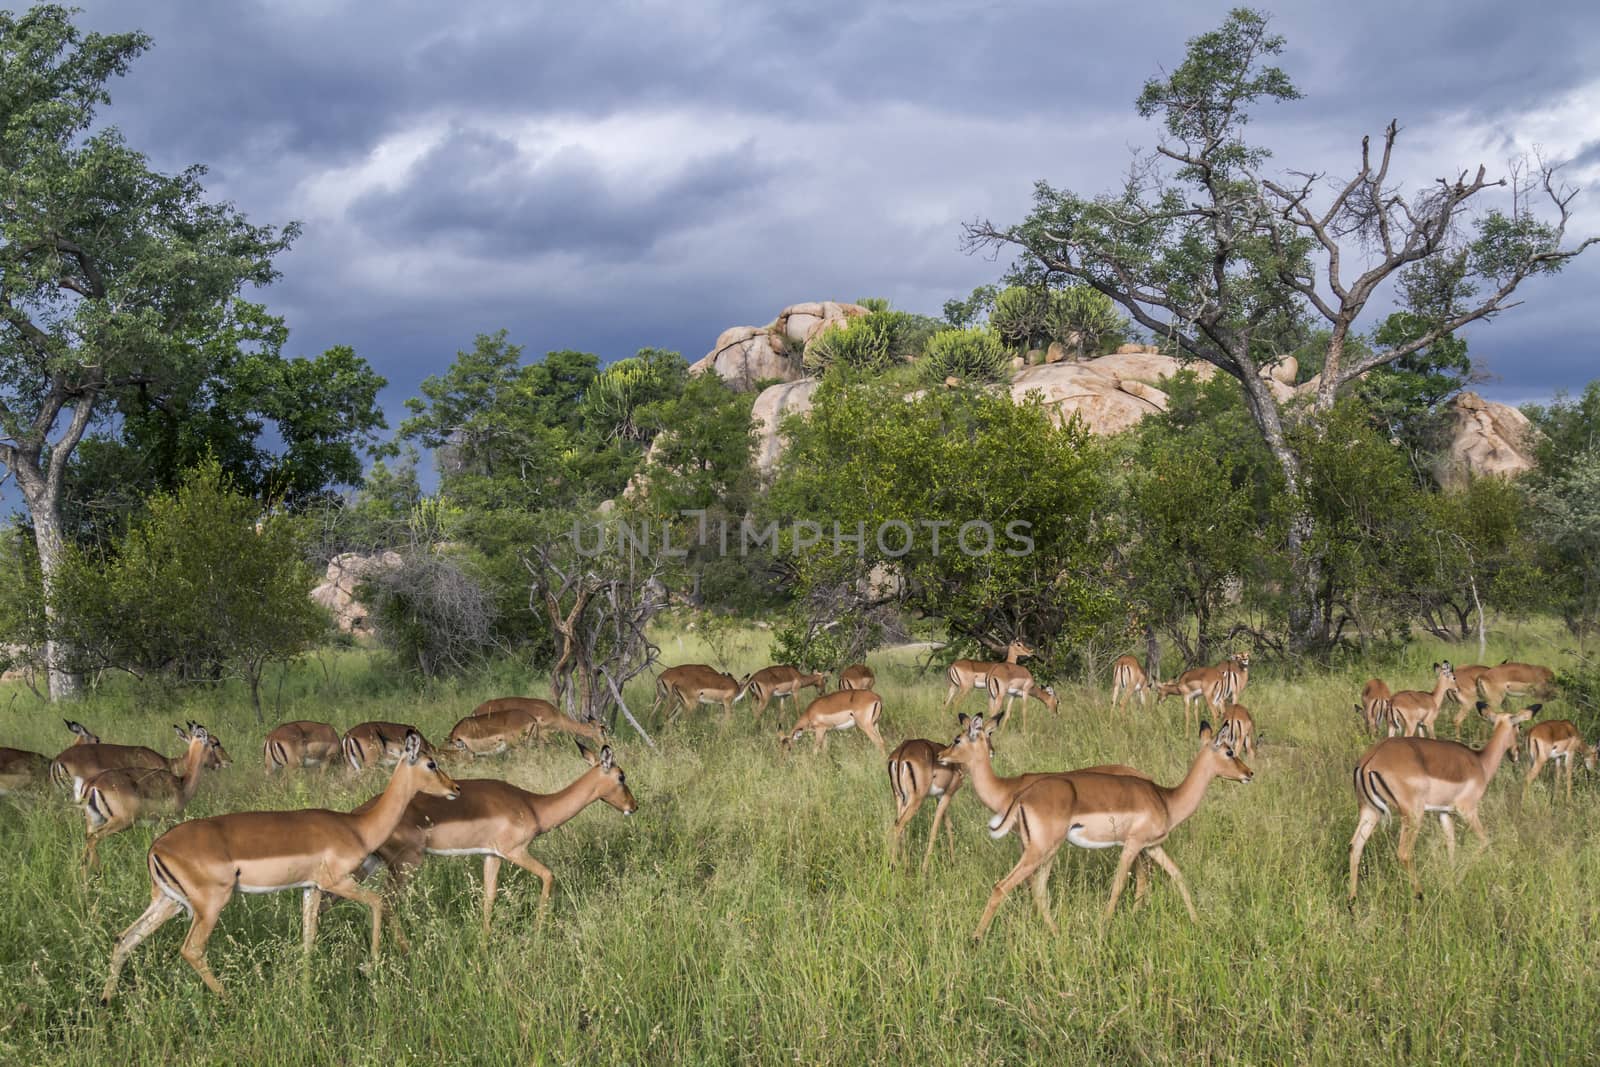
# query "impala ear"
(413, 746)
(607, 760)
(588, 757)
(961, 719)
(183, 735)
(1483, 706)
(1533, 709)
(975, 727)
(1205, 730)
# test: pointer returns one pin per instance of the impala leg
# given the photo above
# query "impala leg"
(538, 870)
(821, 739)
(1164, 861)
(1408, 845)
(310, 914)
(876, 738)
(908, 811)
(1566, 765)
(933, 834)
(1041, 893)
(1449, 834)
(1130, 852)
(350, 889)
(193, 951)
(1141, 881)
(1533, 773)
(491, 882)
(1019, 874)
(1358, 843)
(161, 909)
(1475, 824)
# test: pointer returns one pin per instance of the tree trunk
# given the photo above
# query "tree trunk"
(45, 509)
(1152, 653)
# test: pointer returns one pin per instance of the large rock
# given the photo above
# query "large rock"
(1145, 363)
(1079, 389)
(1486, 439)
(775, 403)
(745, 355)
(337, 591)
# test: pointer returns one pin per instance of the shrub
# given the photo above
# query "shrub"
(431, 613)
(971, 355)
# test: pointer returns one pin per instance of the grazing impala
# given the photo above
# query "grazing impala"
(1198, 683)
(1465, 691)
(775, 683)
(1008, 682)
(300, 744)
(115, 800)
(1412, 711)
(1557, 741)
(1128, 681)
(378, 744)
(972, 752)
(967, 674)
(513, 721)
(20, 768)
(857, 676)
(197, 865)
(840, 710)
(550, 718)
(701, 685)
(915, 774)
(497, 821)
(1515, 680)
(1238, 729)
(83, 760)
(1374, 707)
(672, 682)
(1417, 776)
(1090, 809)
(1235, 676)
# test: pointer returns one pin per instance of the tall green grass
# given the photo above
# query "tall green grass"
(747, 913)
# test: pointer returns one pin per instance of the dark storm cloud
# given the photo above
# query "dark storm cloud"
(828, 150)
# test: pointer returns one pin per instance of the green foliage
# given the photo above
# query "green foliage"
(972, 311)
(972, 355)
(867, 459)
(868, 344)
(203, 584)
(873, 303)
(1086, 319)
(1021, 316)
(1566, 429)
(614, 398)
(1567, 515)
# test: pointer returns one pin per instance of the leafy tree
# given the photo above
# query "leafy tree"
(202, 585)
(1203, 249)
(1567, 428)
(972, 311)
(972, 355)
(1021, 316)
(1567, 510)
(613, 400)
(867, 344)
(1085, 318)
(107, 267)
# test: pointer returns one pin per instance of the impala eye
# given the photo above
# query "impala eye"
(432, 766)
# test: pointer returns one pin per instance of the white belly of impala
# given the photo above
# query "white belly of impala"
(936, 790)
(1436, 808)
(243, 888)
(1077, 837)
(461, 851)
(847, 724)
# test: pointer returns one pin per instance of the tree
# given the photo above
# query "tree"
(1567, 508)
(202, 585)
(107, 267)
(1206, 251)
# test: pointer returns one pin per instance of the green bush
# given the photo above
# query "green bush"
(971, 355)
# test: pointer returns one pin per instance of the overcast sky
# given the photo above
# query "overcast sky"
(609, 176)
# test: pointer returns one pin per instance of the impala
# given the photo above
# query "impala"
(20, 768)
(1515, 680)
(1235, 676)
(775, 683)
(84, 760)
(197, 865)
(1417, 776)
(1008, 682)
(972, 752)
(702, 685)
(1412, 711)
(1091, 809)
(1557, 741)
(840, 710)
(300, 744)
(1374, 707)
(1238, 729)
(857, 676)
(497, 821)
(1128, 681)
(1465, 691)
(513, 721)
(967, 674)
(1198, 683)
(378, 744)
(915, 774)
(670, 681)
(115, 800)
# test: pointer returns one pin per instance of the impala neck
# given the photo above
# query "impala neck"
(992, 790)
(1500, 742)
(375, 824)
(194, 759)
(1440, 688)
(1183, 799)
(550, 810)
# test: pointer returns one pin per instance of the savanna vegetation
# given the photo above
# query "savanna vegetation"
(184, 482)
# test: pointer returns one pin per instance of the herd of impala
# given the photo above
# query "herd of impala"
(198, 865)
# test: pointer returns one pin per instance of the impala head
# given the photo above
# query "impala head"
(1047, 696)
(1445, 671)
(1511, 718)
(616, 792)
(84, 735)
(417, 759)
(1017, 650)
(599, 724)
(816, 680)
(1217, 751)
(1168, 689)
(971, 745)
(216, 756)
(1242, 659)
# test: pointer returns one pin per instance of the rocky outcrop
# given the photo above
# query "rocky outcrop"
(745, 355)
(337, 591)
(775, 403)
(1486, 438)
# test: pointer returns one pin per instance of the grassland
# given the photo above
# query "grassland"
(747, 913)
